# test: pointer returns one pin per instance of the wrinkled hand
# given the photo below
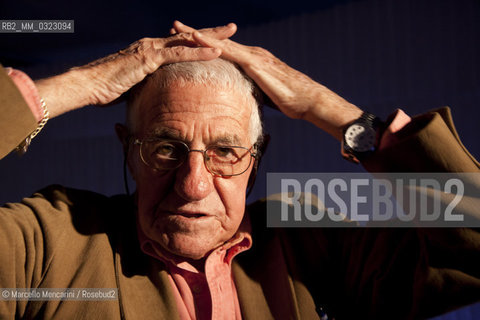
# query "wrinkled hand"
(117, 73)
(294, 93)
(103, 81)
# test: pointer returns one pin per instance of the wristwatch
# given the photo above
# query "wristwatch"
(360, 137)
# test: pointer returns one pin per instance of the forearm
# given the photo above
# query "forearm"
(66, 92)
(330, 112)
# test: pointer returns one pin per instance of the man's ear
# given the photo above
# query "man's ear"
(123, 135)
(262, 148)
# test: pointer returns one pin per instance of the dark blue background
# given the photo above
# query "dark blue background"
(378, 54)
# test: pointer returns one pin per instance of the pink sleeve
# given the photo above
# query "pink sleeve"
(28, 90)
(397, 120)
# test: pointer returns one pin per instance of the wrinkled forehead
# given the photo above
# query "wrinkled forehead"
(190, 103)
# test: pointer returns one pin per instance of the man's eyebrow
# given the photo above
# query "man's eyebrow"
(166, 133)
(227, 140)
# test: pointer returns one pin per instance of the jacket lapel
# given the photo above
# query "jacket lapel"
(144, 295)
(264, 287)
(143, 285)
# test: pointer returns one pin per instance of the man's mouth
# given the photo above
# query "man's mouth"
(189, 214)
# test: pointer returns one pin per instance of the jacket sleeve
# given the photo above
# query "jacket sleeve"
(429, 143)
(428, 271)
(16, 119)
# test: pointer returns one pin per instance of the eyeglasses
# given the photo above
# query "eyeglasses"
(225, 161)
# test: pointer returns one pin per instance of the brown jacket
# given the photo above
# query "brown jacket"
(61, 238)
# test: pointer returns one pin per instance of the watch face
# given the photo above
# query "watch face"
(360, 137)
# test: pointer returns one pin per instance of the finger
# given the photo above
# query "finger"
(230, 50)
(221, 32)
(181, 54)
(180, 27)
(178, 39)
(173, 31)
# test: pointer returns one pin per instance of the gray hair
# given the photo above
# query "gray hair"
(217, 73)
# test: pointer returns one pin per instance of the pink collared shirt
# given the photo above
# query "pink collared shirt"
(204, 295)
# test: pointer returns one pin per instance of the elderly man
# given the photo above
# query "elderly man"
(192, 143)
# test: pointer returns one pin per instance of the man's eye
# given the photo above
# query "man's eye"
(224, 152)
(165, 150)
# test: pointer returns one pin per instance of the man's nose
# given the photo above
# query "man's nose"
(193, 181)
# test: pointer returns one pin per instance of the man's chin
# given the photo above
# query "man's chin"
(186, 248)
